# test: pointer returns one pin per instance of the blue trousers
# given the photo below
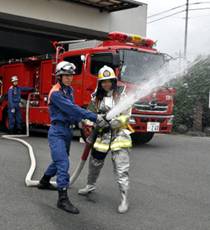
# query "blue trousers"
(59, 139)
(15, 118)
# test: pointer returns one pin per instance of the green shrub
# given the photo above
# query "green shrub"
(192, 88)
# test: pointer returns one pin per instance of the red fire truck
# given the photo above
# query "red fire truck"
(133, 59)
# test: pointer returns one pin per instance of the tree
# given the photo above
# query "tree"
(192, 96)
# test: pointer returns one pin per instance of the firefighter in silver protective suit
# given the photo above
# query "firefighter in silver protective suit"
(114, 137)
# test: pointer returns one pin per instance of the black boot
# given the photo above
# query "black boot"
(64, 203)
(45, 184)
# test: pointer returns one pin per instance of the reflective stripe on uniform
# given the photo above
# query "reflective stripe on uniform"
(101, 77)
(121, 144)
(55, 88)
(115, 145)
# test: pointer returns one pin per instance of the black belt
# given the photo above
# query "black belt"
(63, 124)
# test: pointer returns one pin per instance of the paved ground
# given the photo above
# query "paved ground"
(170, 189)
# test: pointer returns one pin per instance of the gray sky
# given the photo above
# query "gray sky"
(170, 32)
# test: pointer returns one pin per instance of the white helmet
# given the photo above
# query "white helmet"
(106, 73)
(14, 78)
(65, 68)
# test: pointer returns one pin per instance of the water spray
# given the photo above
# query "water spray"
(171, 71)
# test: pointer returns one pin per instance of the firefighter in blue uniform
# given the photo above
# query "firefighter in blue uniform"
(63, 113)
(14, 98)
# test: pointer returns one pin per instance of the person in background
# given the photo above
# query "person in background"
(14, 99)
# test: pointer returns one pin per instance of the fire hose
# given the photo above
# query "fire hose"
(28, 179)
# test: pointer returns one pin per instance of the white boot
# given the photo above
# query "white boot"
(95, 167)
(123, 207)
(87, 189)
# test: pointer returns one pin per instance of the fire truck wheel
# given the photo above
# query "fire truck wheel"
(141, 138)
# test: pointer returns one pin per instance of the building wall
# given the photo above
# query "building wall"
(27, 27)
(132, 20)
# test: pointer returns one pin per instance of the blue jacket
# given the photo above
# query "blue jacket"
(14, 95)
(62, 107)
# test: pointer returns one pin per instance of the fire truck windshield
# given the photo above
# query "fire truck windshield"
(138, 66)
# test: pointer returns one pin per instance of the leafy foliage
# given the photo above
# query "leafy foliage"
(192, 88)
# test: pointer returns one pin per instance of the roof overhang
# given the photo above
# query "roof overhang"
(108, 5)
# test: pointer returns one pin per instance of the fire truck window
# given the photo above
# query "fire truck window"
(139, 66)
(76, 60)
(99, 60)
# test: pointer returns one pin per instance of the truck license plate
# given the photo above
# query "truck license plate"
(153, 127)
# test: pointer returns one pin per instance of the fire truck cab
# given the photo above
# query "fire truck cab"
(132, 57)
